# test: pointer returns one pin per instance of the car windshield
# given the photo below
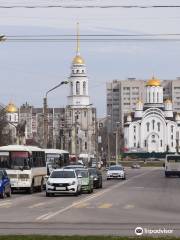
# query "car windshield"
(93, 171)
(115, 168)
(84, 174)
(62, 174)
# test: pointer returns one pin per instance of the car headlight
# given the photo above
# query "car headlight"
(49, 183)
(108, 173)
(95, 178)
(73, 183)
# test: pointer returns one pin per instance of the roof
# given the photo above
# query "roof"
(20, 148)
(49, 150)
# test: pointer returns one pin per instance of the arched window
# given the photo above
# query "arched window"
(84, 88)
(147, 125)
(153, 97)
(157, 97)
(77, 88)
(134, 129)
(77, 71)
(172, 128)
(158, 124)
(153, 123)
(71, 88)
(149, 97)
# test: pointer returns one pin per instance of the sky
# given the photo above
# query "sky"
(29, 69)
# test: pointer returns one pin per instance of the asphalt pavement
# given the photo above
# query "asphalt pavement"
(146, 199)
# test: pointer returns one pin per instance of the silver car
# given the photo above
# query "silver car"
(116, 171)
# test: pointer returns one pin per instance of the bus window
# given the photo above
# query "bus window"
(4, 161)
(173, 158)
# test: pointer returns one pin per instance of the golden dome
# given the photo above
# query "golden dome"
(11, 108)
(78, 60)
(139, 101)
(154, 82)
(168, 101)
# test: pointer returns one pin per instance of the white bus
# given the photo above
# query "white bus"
(172, 165)
(56, 158)
(25, 166)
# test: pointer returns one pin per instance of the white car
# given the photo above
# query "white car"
(116, 171)
(63, 181)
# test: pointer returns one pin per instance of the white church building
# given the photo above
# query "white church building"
(153, 127)
(80, 115)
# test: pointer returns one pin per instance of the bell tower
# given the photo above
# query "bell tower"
(78, 80)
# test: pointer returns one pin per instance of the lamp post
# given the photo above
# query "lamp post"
(117, 140)
(45, 109)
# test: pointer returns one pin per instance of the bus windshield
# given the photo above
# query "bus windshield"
(20, 160)
(53, 158)
(173, 159)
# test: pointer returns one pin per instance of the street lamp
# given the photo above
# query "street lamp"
(46, 112)
(117, 139)
(2, 38)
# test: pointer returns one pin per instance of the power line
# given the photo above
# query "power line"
(92, 35)
(89, 6)
(95, 40)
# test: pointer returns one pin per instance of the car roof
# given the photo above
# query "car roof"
(82, 169)
(63, 169)
(75, 165)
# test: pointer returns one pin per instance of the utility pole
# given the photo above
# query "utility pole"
(45, 122)
(108, 150)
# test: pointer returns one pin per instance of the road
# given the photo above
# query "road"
(146, 199)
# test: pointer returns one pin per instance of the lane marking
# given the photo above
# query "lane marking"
(42, 216)
(95, 195)
(81, 205)
(105, 205)
(37, 205)
(6, 204)
(129, 206)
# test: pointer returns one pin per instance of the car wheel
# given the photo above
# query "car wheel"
(76, 193)
(40, 188)
(108, 179)
(9, 193)
(3, 193)
(48, 194)
(31, 189)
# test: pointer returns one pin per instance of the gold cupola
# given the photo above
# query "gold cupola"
(153, 82)
(78, 59)
(11, 108)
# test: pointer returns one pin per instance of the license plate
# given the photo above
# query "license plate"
(60, 188)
